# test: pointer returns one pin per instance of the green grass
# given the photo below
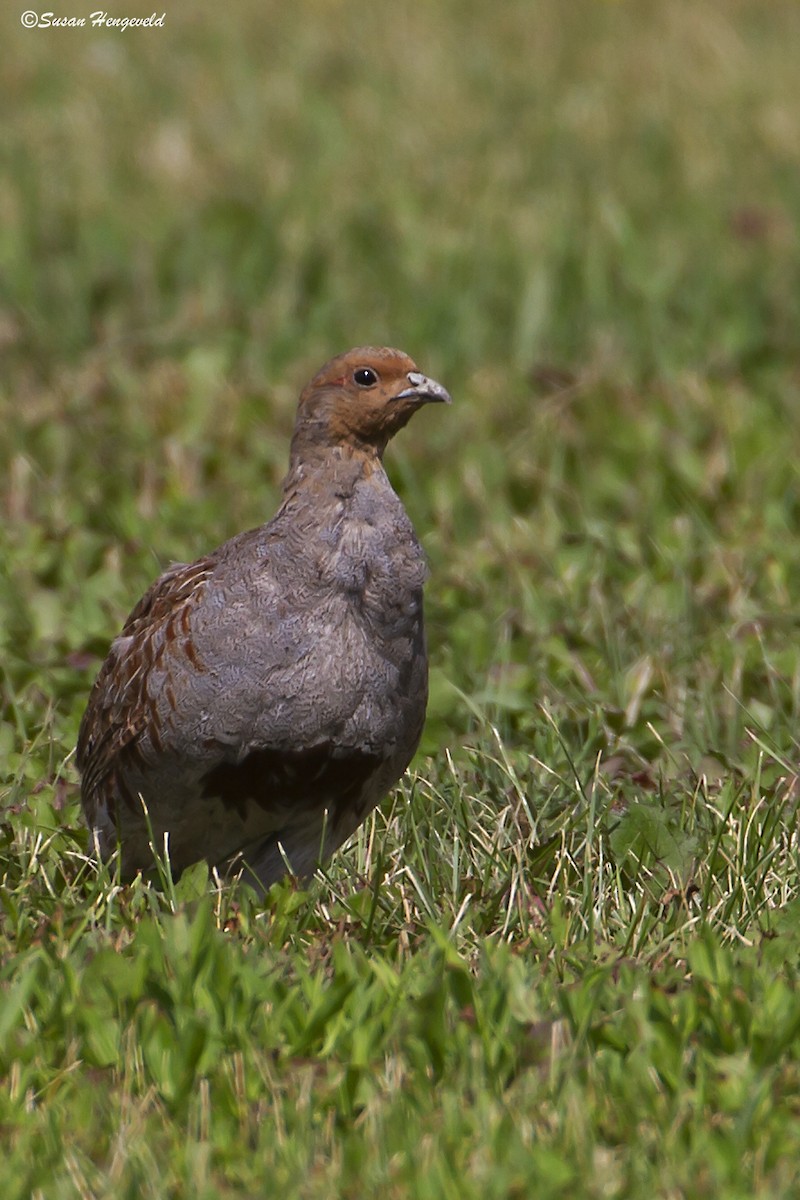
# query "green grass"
(562, 960)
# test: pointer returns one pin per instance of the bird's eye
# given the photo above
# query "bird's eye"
(365, 377)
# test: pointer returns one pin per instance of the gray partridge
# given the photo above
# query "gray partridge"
(259, 702)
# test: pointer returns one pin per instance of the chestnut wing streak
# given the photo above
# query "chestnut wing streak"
(121, 709)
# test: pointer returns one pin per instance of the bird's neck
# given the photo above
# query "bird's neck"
(337, 468)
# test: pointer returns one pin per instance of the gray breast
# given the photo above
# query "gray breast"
(322, 636)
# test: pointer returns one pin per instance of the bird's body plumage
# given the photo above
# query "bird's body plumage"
(260, 701)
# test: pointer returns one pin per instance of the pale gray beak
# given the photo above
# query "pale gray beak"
(424, 389)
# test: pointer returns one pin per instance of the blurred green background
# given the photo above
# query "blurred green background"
(583, 219)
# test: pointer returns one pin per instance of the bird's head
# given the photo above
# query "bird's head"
(360, 399)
